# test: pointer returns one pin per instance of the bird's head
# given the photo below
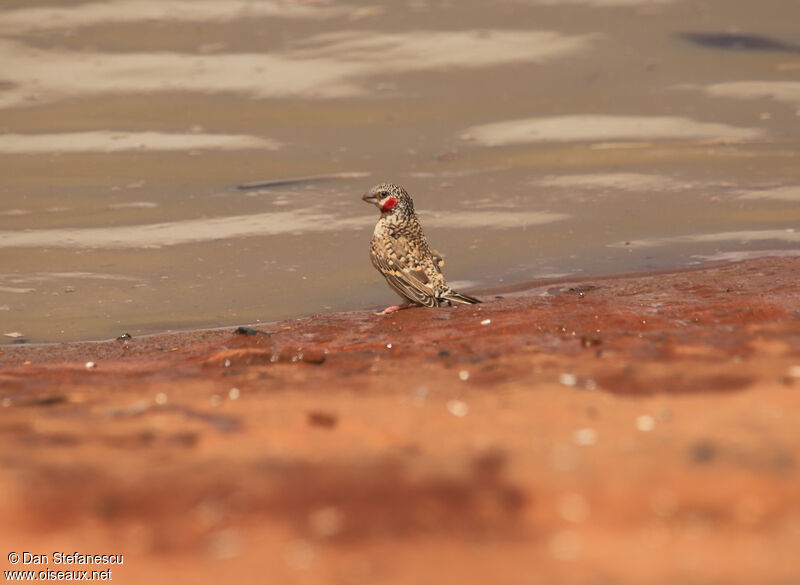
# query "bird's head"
(390, 199)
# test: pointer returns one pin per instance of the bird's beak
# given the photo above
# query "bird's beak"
(370, 197)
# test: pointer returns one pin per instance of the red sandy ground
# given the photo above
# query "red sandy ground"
(642, 431)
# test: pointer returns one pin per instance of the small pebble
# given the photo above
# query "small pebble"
(702, 452)
(299, 555)
(420, 394)
(585, 437)
(457, 408)
(247, 331)
(90, 365)
(14, 334)
(132, 410)
(486, 321)
(234, 394)
(314, 356)
(161, 398)
(645, 423)
(463, 375)
(573, 508)
(565, 545)
(794, 372)
(388, 346)
(325, 420)
(326, 522)
(568, 379)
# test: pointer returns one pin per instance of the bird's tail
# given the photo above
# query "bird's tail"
(454, 297)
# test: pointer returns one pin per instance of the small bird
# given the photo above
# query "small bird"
(401, 253)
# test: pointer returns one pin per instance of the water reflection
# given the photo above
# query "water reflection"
(597, 3)
(49, 276)
(536, 137)
(615, 182)
(738, 42)
(244, 226)
(785, 193)
(739, 255)
(744, 236)
(104, 141)
(780, 91)
(322, 66)
(603, 128)
(44, 18)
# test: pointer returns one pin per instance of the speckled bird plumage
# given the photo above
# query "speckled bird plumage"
(401, 253)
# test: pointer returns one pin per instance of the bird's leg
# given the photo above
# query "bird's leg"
(394, 308)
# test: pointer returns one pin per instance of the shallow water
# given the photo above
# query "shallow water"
(539, 138)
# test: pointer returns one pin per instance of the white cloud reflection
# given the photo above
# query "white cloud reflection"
(104, 141)
(324, 66)
(591, 128)
(739, 255)
(744, 236)
(39, 18)
(596, 3)
(617, 181)
(262, 224)
(785, 193)
(780, 91)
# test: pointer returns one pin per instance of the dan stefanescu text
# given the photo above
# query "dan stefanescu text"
(63, 558)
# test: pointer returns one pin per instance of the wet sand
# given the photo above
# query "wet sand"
(635, 429)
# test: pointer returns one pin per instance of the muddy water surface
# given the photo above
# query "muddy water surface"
(539, 138)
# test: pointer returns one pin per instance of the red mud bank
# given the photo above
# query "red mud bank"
(641, 429)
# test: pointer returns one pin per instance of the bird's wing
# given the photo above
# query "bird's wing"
(438, 260)
(401, 264)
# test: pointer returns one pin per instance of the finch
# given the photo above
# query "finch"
(401, 253)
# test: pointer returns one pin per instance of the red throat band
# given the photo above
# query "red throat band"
(390, 204)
